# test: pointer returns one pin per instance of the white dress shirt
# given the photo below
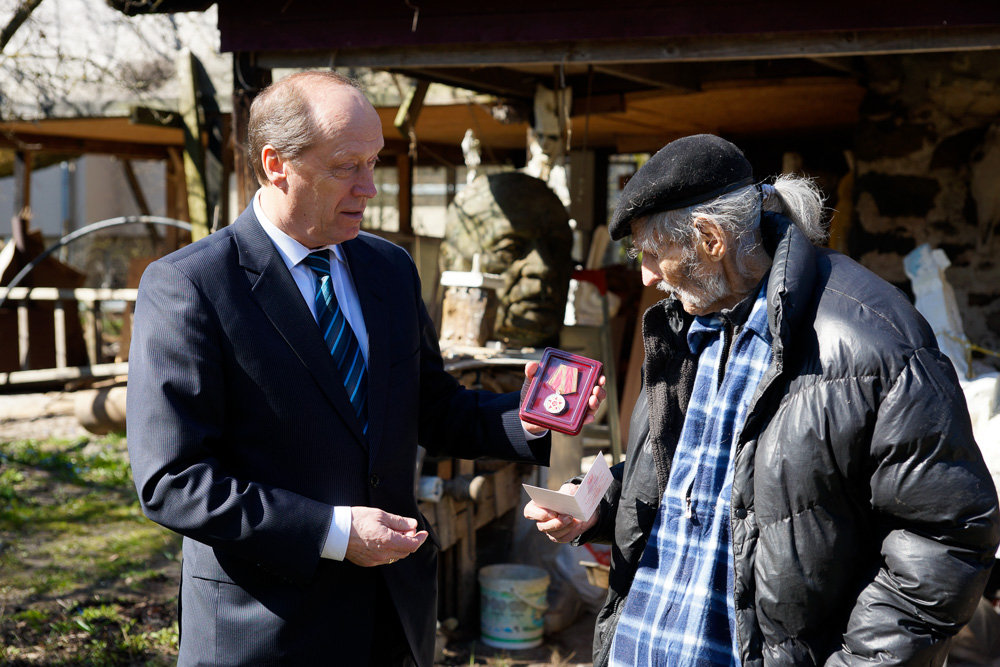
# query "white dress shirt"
(292, 253)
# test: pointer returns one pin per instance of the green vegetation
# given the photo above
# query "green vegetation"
(85, 579)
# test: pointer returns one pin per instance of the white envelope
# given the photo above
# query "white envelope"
(588, 495)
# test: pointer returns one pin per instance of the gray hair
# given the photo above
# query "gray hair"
(738, 214)
(281, 116)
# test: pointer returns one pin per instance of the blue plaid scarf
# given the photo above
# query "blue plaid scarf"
(680, 610)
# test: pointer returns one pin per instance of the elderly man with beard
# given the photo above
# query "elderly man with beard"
(802, 486)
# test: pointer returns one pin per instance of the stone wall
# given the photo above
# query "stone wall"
(928, 171)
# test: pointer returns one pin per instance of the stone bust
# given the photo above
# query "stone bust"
(520, 229)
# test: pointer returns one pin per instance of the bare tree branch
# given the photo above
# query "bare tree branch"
(21, 15)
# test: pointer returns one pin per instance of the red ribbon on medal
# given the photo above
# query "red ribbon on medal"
(564, 379)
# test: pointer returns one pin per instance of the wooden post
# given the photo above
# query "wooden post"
(22, 200)
(23, 337)
(176, 200)
(566, 458)
(194, 151)
(92, 333)
(248, 80)
(59, 321)
(404, 166)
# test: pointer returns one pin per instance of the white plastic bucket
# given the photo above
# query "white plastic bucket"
(513, 604)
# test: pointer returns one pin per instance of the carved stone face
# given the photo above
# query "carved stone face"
(520, 229)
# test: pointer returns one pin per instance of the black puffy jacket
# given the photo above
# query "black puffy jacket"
(864, 520)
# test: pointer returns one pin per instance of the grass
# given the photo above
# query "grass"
(85, 578)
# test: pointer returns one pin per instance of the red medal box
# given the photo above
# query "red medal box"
(559, 394)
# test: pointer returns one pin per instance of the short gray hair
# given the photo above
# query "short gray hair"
(280, 116)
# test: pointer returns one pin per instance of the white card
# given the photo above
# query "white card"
(582, 505)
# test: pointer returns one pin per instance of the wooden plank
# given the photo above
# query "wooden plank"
(63, 374)
(507, 486)
(485, 504)
(465, 466)
(80, 146)
(681, 49)
(463, 509)
(255, 25)
(466, 576)
(85, 294)
(446, 522)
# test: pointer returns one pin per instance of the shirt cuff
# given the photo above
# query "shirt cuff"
(340, 532)
(528, 435)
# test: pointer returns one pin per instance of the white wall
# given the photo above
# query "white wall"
(99, 191)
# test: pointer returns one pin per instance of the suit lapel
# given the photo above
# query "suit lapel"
(276, 292)
(374, 296)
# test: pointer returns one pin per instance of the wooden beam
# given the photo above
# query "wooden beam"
(261, 25)
(409, 111)
(46, 375)
(140, 200)
(703, 48)
(85, 294)
(667, 76)
(155, 117)
(73, 146)
(491, 80)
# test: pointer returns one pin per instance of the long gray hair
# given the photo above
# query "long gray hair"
(738, 214)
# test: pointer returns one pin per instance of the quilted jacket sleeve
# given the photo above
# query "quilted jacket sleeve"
(937, 507)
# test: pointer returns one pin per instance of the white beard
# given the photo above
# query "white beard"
(709, 289)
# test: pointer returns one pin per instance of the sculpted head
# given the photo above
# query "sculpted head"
(520, 230)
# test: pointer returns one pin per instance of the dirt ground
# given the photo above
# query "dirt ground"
(50, 415)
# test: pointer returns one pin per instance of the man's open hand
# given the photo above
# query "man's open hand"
(380, 538)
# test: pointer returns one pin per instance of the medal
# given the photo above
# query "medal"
(554, 403)
(563, 381)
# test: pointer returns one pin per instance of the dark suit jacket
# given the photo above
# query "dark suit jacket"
(242, 439)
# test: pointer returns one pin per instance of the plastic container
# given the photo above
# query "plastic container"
(513, 604)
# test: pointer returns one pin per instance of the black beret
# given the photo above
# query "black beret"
(685, 172)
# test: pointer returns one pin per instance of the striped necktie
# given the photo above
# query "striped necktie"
(339, 336)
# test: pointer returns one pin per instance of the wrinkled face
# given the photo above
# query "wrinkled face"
(698, 284)
(329, 185)
(521, 231)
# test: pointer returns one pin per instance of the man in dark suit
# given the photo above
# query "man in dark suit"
(284, 451)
